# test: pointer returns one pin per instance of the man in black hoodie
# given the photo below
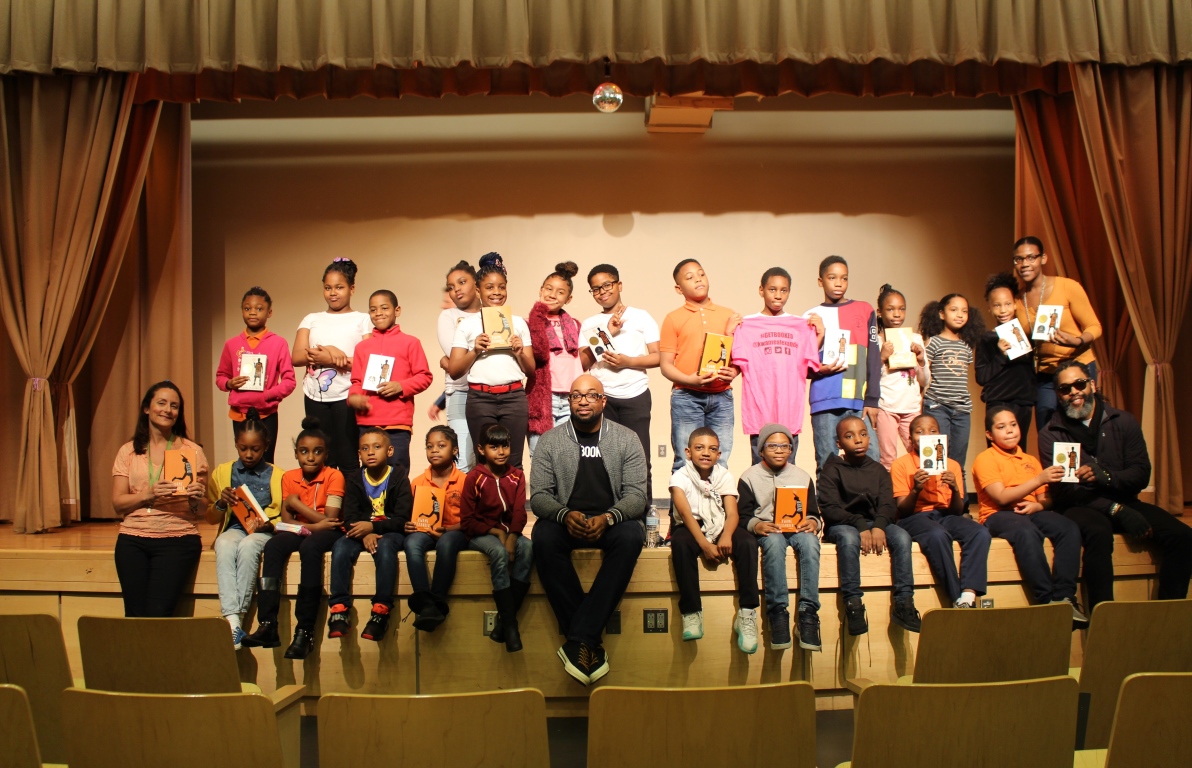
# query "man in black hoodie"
(1114, 467)
(856, 500)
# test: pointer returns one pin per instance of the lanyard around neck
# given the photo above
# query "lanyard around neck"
(154, 476)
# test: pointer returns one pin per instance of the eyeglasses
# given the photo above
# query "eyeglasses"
(1079, 385)
(585, 397)
(603, 287)
(1032, 258)
(777, 446)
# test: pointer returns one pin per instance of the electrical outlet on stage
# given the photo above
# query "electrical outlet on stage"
(987, 602)
(490, 620)
(654, 621)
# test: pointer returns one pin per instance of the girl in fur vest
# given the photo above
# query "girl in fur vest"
(555, 340)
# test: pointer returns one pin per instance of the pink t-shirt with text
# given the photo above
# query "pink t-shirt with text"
(775, 355)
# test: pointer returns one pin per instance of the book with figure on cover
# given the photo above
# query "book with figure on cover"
(1012, 332)
(790, 505)
(380, 368)
(600, 341)
(252, 367)
(1067, 455)
(1047, 320)
(933, 454)
(429, 504)
(498, 324)
(179, 468)
(836, 344)
(248, 511)
(902, 357)
(718, 352)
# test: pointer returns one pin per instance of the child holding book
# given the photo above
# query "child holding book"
(1015, 506)
(953, 330)
(276, 380)
(705, 524)
(429, 600)
(857, 503)
(931, 509)
(699, 398)
(494, 374)
(842, 389)
(1004, 381)
(492, 513)
(390, 406)
(377, 506)
(757, 499)
(312, 497)
(902, 387)
(554, 337)
(238, 552)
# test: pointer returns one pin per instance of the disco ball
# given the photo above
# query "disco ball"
(607, 97)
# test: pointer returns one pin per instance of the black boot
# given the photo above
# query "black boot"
(427, 616)
(520, 589)
(301, 646)
(507, 614)
(268, 601)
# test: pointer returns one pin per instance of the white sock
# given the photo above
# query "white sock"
(967, 598)
(234, 620)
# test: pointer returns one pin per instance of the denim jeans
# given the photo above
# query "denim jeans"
(756, 457)
(691, 410)
(953, 423)
(446, 547)
(498, 559)
(1046, 402)
(458, 421)
(560, 411)
(807, 553)
(344, 555)
(848, 559)
(237, 560)
(823, 434)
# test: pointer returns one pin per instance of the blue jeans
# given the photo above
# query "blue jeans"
(446, 547)
(560, 411)
(237, 560)
(691, 410)
(498, 559)
(1046, 402)
(823, 434)
(344, 554)
(807, 553)
(953, 423)
(457, 420)
(755, 454)
(848, 559)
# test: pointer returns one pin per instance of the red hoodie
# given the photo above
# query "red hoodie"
(409, 370)
(490, 502)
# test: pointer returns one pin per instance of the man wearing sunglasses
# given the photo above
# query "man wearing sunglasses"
(1114, 467)
(589, 492)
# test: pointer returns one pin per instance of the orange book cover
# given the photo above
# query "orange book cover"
(429, 504)
(789, 504)
(248, 511)
(718, 353)
(179, 468)
(498, 324)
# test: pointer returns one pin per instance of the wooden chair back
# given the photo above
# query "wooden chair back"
(1126, 638)
(17, 733)
(770, 725)
(508, 728)
(1022, 723)
(158, 655)
(33, 656)
(1150, 726)
(146, 730)
(1013, 644)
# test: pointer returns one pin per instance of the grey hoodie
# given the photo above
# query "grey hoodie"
(755, 500)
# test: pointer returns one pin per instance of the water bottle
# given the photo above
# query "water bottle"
(652, 527)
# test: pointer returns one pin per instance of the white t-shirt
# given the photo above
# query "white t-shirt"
(498, 366)
(704, 497)
(449, 320)
(343, 331)
(638, 330)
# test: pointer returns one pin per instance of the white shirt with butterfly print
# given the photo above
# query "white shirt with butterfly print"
(340, 330)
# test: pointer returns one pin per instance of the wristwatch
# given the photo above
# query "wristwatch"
(608, 518)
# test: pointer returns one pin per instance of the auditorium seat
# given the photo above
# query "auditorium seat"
(16, 730)
(497, 728)
(1150, 724)
(756, 725)
(33, 656)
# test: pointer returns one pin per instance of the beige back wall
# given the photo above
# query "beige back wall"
(923, 200)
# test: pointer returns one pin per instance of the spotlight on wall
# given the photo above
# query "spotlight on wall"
(608, 96)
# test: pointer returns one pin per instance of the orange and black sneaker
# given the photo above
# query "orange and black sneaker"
(338, 622)
(377, 623)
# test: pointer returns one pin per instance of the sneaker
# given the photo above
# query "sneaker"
(905, 615)
(337, 623)
(780, 629)
(854, 611)
(238, 636)
(378, 622)
(746, 626)
(576, 659)
(809, 630)
(1079, 619)
(962, 603)
(597, 664)
(693, 625)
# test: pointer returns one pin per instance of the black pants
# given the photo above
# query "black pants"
(685, 555)
(1172, 538)
(634, 413)
(153, 572)
(1023, 412)
(338, 420)
(582, 616)
(509, 409)
(270, 423)
(311, 550)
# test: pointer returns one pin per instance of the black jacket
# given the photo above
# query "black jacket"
(861, 496)
(1120, 461)
(399, 502)
(1004, 380)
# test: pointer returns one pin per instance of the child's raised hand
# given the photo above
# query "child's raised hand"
(358, 403)
(515, 344)
(817, 325)
(1052, 474)
(370, 543)
(482, 342)
(887, 350)
(1004, 345)
(921, 478)
(616, 320)
(390, 389)
(734, 320)
(949, 478)
(236, 382)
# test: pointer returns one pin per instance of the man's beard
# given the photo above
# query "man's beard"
(1083, 412)
(586, 421)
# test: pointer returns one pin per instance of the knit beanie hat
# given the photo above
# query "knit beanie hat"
(771, 429)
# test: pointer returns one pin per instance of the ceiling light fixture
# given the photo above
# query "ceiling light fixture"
(608, 96)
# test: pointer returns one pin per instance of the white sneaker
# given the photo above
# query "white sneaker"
(746, 626)
(693, 626)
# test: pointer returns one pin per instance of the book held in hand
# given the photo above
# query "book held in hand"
(600, 341)
(1067, 455)
(179, 468)
(790, 505)
(429, 504)
(902, 357)
(252, 367)
(498, 324)
(1012, 332)
(836, 343)
(246, 509)
(380, 368)
(718, 352)
(1047, 321)
(933, 454)
(301, 530)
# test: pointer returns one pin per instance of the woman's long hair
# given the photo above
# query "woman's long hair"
(140, 436)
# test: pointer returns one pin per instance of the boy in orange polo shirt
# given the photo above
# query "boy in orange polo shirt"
(698, 399)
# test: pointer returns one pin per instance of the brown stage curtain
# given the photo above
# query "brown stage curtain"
(1055, 195)
(60, 144)
(1137, 127)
